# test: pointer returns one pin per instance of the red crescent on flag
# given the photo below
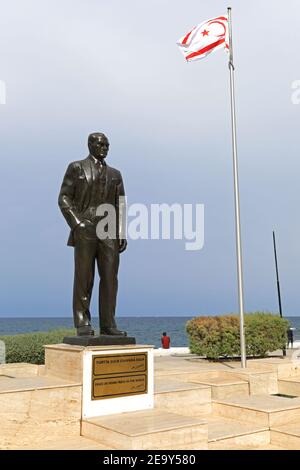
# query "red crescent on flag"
(185, 39)
(219, 22)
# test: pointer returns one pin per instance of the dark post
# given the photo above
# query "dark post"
(278, 284)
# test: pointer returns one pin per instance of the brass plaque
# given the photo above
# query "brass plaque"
(113, 387)
(119, 363)
(117, 375)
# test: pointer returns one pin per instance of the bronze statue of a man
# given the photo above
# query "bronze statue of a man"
(86, 185)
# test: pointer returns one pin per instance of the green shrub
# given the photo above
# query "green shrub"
(29, 347)
(216, 337)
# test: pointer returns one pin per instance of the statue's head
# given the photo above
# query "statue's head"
(98, 145)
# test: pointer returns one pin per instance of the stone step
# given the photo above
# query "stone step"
(9, 384)
(261, 381)
(34, 408)
(232, 432)
(151, 429)
(223, 385)
(223, 445)
(20, 369)
(184, 398)
(64, 443)
(284, 367)
(289, 386)
(264, 410)
(287, 436)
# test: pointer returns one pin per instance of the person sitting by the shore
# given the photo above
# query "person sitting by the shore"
(165, 341)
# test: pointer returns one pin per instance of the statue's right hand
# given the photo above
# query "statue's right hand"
(83, 224)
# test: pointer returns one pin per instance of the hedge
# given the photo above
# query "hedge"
(216, 337)
(29, 347)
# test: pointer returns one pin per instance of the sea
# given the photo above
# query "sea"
(146, 330)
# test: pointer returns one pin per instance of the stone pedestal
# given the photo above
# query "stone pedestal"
(115, 378)
(101, 340)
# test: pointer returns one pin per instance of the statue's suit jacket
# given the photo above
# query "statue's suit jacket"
(75, 193)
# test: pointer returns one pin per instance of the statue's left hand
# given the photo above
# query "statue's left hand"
(122, 245)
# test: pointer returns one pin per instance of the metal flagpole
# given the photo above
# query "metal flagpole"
(278, 284)
(236, 198)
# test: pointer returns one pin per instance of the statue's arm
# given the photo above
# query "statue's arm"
(121, 214)
(66, 197)
(121, 189)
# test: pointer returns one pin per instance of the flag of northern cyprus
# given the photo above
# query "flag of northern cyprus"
(205, 38)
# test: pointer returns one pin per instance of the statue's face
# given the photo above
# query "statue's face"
(99, 146)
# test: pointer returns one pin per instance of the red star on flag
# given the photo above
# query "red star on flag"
(205, 33)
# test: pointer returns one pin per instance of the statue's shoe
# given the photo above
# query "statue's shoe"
(112, 332)
(85, 330)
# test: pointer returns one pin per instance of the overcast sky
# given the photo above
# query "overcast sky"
(72, 67)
